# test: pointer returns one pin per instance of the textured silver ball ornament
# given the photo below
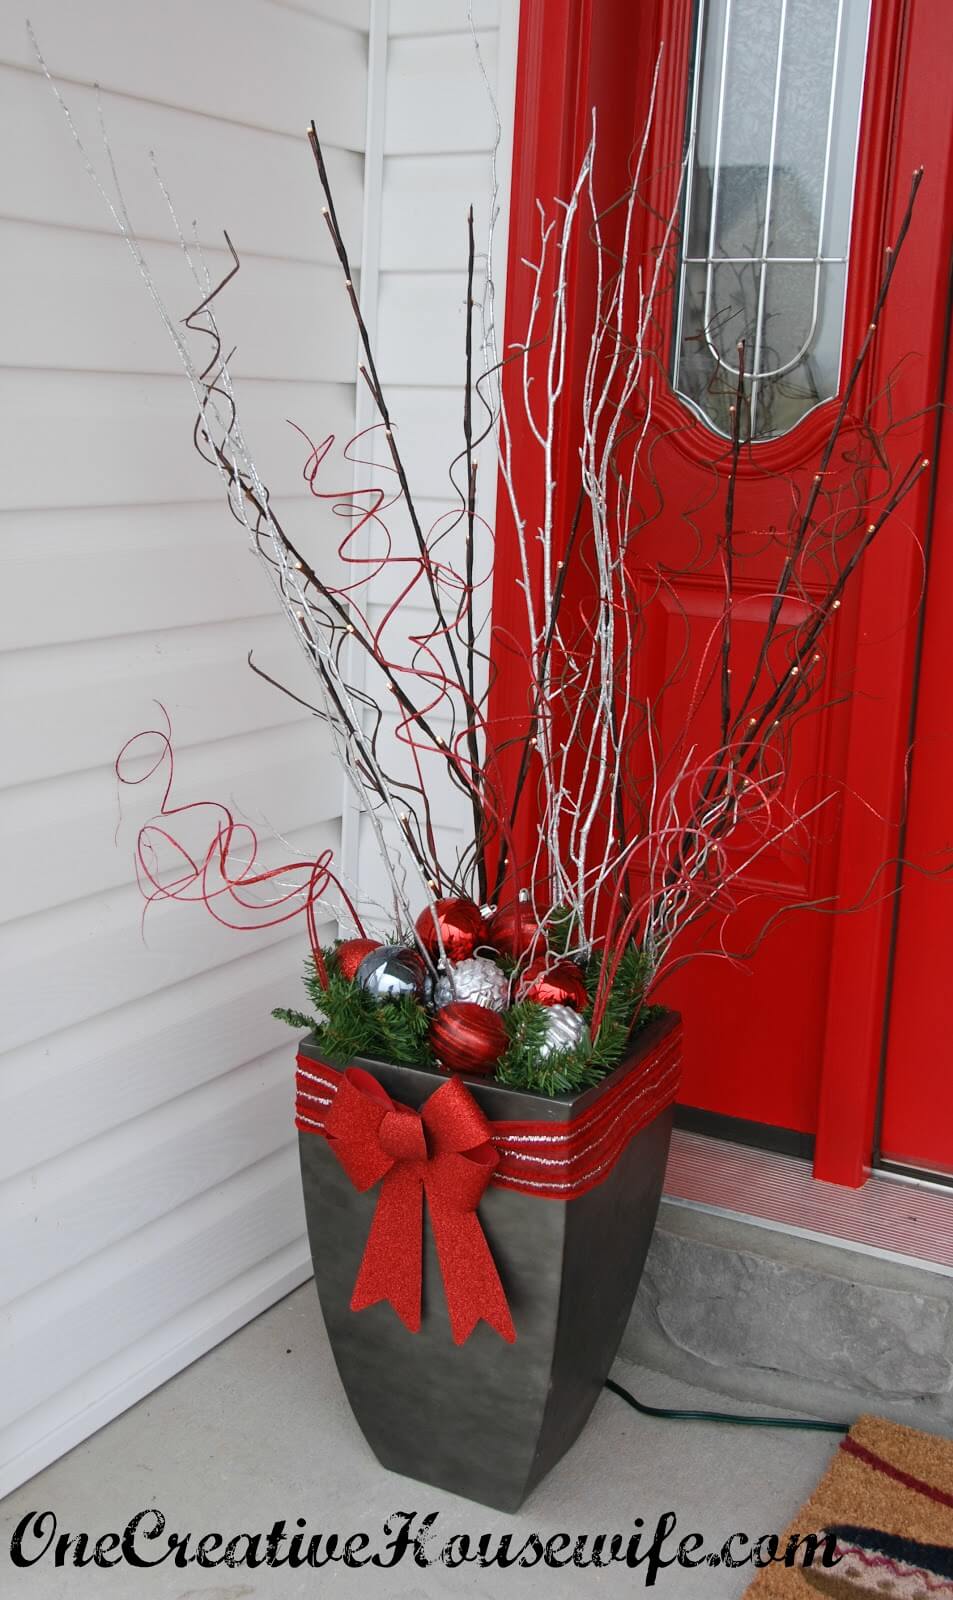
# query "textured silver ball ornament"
(392, 972)
(565, 1030)
(477, 979)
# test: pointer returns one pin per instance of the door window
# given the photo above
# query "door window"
(772, 149)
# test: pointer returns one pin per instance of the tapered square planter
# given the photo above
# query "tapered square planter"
(488, 1419)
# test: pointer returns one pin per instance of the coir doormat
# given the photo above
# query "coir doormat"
(886, 1501)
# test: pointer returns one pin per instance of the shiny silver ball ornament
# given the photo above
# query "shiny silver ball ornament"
(565, 1030)
(477, 979)
(392, 972)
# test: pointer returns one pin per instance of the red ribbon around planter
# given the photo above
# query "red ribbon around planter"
(451, 1152)
(445, 1152)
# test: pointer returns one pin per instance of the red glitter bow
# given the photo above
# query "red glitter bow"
(444, 1150)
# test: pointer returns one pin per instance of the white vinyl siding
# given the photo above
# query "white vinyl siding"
(148, 1180)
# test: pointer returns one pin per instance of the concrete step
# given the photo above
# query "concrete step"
(757, 1314)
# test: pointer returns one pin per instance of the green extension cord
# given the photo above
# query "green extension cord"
(807, 1424)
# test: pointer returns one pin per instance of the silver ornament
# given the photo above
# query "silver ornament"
(565, 1030)
(393, 971)
(478, 979)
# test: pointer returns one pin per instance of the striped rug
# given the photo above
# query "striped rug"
(886, 1505)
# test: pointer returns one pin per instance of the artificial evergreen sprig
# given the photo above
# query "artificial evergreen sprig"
(623, 1005)
(563, 931)
(350, 1022)
(295, 1019)
(522, 1067)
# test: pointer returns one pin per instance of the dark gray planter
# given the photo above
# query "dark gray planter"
(488, 1419)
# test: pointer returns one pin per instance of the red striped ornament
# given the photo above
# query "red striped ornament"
(466, 1037)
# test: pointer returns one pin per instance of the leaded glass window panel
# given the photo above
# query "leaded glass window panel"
(772, 154)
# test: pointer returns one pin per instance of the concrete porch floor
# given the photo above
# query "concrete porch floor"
(259, 1430)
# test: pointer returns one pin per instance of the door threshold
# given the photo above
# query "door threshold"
(915, 1177)
(904, 1222)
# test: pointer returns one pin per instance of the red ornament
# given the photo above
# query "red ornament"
(513, 929)
(461, 928)
(555, 983)
(351, 952)
(466, 1037)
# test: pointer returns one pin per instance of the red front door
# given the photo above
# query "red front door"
(775, 255)
(806, 119)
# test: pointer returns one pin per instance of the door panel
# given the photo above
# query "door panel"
(738, 1060)
(755, 1024)
(679, 624)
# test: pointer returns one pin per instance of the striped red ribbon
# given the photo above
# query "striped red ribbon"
(552, 1160)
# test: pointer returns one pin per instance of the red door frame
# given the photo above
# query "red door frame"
(880, 713)
(576, 54)
(916, 1121)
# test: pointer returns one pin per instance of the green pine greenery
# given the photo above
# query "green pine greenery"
(625, 995)
(295, 1019)
(561, 930)
(522, 1067)
(349, 1022)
